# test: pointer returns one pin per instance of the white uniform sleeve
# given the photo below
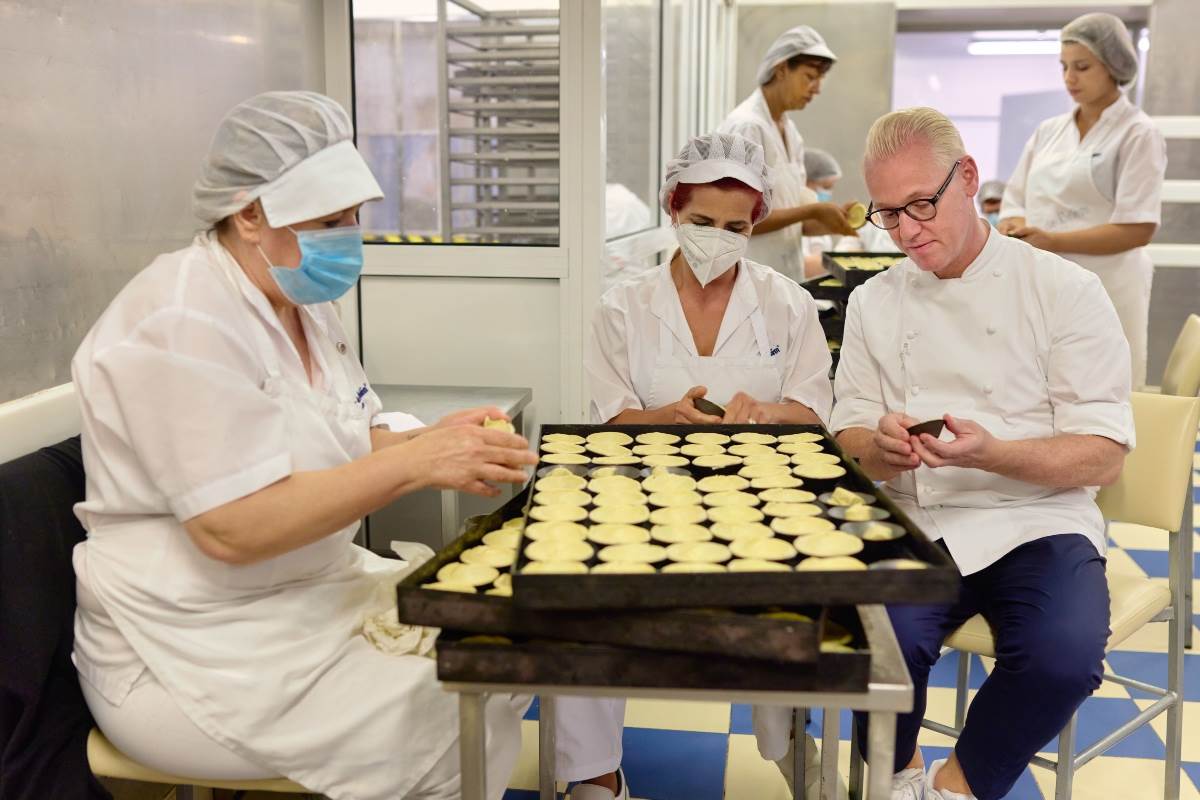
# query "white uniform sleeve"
(607, 365)
(858, 387)
(189, 397)
(1013, 204)
(1141, 165)
(746, 129)
(806, 377)
(1088, 375)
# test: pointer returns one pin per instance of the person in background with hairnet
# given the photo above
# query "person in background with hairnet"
(230, 454)
(822, 173)
(712, 325)
(789, 77)
(991, 193)
(1089, 183)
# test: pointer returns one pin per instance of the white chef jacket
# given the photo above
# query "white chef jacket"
(625, 345)
(1025, 343)
(193, 396)
(1114, 174)
(784, 156)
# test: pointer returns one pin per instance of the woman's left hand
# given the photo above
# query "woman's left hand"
(1037, 237)
(470, 416)
(744, 409)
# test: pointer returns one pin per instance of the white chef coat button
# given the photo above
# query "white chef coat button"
(911, 334)
(341, 348)
(926, 490)
(987, 389)
(995, 273)
(916, 390)
(991, 329)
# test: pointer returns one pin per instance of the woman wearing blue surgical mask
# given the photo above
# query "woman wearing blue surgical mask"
(230, 454)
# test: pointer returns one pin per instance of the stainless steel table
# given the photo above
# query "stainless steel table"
(889, 692)
(431, 403)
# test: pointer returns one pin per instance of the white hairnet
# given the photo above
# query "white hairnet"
(800, 40)
(708, 158)
(1109, 40)
(291, 150)
(991, 190)
(819, 165)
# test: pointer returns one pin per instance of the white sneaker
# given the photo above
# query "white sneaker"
(941, 794)
(909, 784)
(590, 791)
(812, 770)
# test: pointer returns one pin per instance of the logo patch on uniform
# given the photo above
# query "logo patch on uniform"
(775, 350)
(360, 394)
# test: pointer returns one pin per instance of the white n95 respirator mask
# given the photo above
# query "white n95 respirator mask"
(710, 251)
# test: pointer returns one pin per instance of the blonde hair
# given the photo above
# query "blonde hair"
(893, 132)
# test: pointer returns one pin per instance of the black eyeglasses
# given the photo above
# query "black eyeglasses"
(922, 209)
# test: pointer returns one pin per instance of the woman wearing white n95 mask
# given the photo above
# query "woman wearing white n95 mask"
(710, 323)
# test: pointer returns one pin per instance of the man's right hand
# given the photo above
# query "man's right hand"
(686, 412)
(892, 448)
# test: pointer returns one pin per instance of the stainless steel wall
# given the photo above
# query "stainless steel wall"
(109, 106)
(856, 92)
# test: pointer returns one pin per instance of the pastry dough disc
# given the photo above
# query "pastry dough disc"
(611, 533)
(655, 450)
(467, 574)
(616, 461)
(720, 461)
(562, 497)
(753, 437)
(815, 458)
(844, 497)
(638, 553)
(801, 526)
(628, 515)
(828, 544)
(558, 513)
(671, 534)
(757, 565)
(498, 557)
(605, 449)
(693, 566)
(732, 531)
(819, 472)
(545, 531)
(620, 499)
(792, 448)
(613, 483)
(443, 586)
(678, 515)
(723, 483)
(792, 510)
(707, 438)
(508, 539)
(665, 461)
(561, 447)
(500, 591)
(763, 549)
(565, 458)
(750, 449)
(555, 568)
(708, 552)
(668, 482)
(657, 437)
(735, 514)
(672, 499)
(790, 438)
(622, 568)
(613, 438)
(721, 499)
(567, 438)
(832, 564)
(559, 550)
(762, 471)
(863, 513)
(514, 524)
(765, 458)
(504, 581)
(785, 495)
(695, 450)
(560, 483)
(783, 480)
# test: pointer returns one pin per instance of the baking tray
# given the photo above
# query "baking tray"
(536, 663)
(686, 631)
(838, 294)
(938, 582)
(853, 278)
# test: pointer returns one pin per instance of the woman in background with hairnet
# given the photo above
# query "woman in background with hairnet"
(789, 77)
(822, 172)
(1089, 183)
(230, 454)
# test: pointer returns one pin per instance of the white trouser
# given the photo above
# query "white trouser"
(588, 737)
(151, 729)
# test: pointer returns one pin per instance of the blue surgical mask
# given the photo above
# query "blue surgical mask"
(824, 196)
(330, 262)
(993, 217)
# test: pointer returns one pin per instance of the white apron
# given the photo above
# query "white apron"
(1061, 195)
(268, 659)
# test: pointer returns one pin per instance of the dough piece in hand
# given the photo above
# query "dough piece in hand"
(828, 544)
(499, 424)
(559, 550)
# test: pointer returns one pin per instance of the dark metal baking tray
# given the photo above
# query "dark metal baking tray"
(938, 582)
(687, 631)
(853, 278)
(554, 663)
(838, 294)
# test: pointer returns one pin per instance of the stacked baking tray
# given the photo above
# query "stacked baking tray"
(847, 271)
(770, 627)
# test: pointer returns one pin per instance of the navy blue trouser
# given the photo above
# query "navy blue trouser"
(1047, 604)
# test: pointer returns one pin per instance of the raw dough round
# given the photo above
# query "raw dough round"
(695, 450)
(709, 552)
(562, 497)
(622, 568)
(764, 549)
(801, 526)
(783, 480)
(753, 437)
(561, 483)
(500, 591)
(467, 574)
(693, 566)
(628, 515)
(611, 533)
(859, 513)
(828, 544)
(621, 498)
(751, 449)
(732, 531)
(638, 553)
(514, 524)
(707, 438)
(671, 534)
(442, 586)
(665, 461)
(614, 483)
(832, 564)
(758, 459)
(762, 471)
(792, 448)
(757, 565)
(723, 483)
(720, 461)
(672, 499)
(874, 531)
(657, 437)
(489, 556)
(504, 581)
(616, 461)
(655, 450)
(565, 458)
(561, 447)
(568, 438)
(555, 568)
(790, 438)
(668, 482)
(558, 513)
(679, 515)
(606, 449)
(844, 497)
(563, 529)
(815, 458)
(819, 472)
(735, 514)
(899, 563)
(785, 495)
(792, 510)
(613, 438)
(508, 539)
(720, 499)
(559, 550)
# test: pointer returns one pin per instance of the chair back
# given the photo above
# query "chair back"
(1182, 374)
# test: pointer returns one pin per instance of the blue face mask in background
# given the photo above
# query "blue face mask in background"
(993, 217)
(824, 196)
(330, 262)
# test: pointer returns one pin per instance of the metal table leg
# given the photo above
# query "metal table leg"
(856, 762)
(449, 499)
(830, 733)
(472, 755)
(799, 778)
(881, 754)
(547, 755)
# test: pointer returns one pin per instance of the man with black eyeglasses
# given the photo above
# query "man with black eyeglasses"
(1019, 354)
